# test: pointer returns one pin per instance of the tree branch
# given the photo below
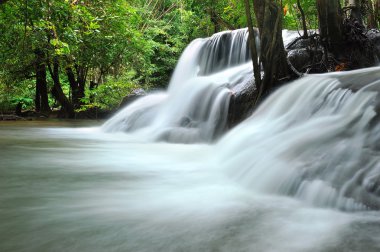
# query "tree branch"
(305, 34)
(220, 20)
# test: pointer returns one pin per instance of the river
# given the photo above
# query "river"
(79, 189)
(301, 173)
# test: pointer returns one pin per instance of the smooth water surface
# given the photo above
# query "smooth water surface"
(78, 189)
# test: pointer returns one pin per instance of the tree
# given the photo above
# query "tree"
(83, 42)
(373, 16)
(57, 91)
(272, 56)
(376, 12)
(41, 98)
(303, 18)
(330, 22)
(252, 45)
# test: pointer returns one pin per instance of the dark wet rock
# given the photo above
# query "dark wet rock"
(299, 58)
(305, 55)
(11, 118)
(242, 101)
(135, 94)
(33, 114)
(94, 114)
(374, 36)
(300, 43)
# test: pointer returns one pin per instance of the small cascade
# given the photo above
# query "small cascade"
(224, 50)
(316, 139)
(195, 107)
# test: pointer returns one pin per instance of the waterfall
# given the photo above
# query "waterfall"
(300, 174)
(195, 106)
(316, 139)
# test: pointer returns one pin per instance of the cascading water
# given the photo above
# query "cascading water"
(316, 139)
(310, 140)
(195, 106)
(301, 174)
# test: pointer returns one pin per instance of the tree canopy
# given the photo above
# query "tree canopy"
(81, 54)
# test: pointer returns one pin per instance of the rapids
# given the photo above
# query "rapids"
(301, 173)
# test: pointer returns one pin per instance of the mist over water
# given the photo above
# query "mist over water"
(301, 174)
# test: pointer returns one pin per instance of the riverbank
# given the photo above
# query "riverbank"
(51, 122)
(29, 115)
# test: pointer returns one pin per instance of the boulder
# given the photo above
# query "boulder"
(131, 97)
(242, 101)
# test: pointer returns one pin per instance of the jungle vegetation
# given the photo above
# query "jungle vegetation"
(77, 55)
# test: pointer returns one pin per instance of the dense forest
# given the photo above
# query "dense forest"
(64, 57)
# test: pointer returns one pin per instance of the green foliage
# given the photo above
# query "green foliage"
(11, 95)
(25, 101)
(120, 45)
(292, 18)
(109, 95)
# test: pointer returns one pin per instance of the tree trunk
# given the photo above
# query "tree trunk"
(213, 17)
(18, 110)
(93, 85)
(372, 23)
(259, 7)
(330, 23)
(74, 87)
(355, 10)
(218, 21)
(58, 92)
(77, 84)
(252, 45)
(81, 80)
(41, 100)
(305, 34)
(376, 12)
(37, 98)
(273, 55)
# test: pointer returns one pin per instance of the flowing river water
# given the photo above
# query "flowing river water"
(301, 174)
(78, 189)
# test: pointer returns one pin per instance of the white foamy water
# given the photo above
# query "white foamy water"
(195, 106)
(315, 139)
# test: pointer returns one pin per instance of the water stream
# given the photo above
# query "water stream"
(301, 174)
